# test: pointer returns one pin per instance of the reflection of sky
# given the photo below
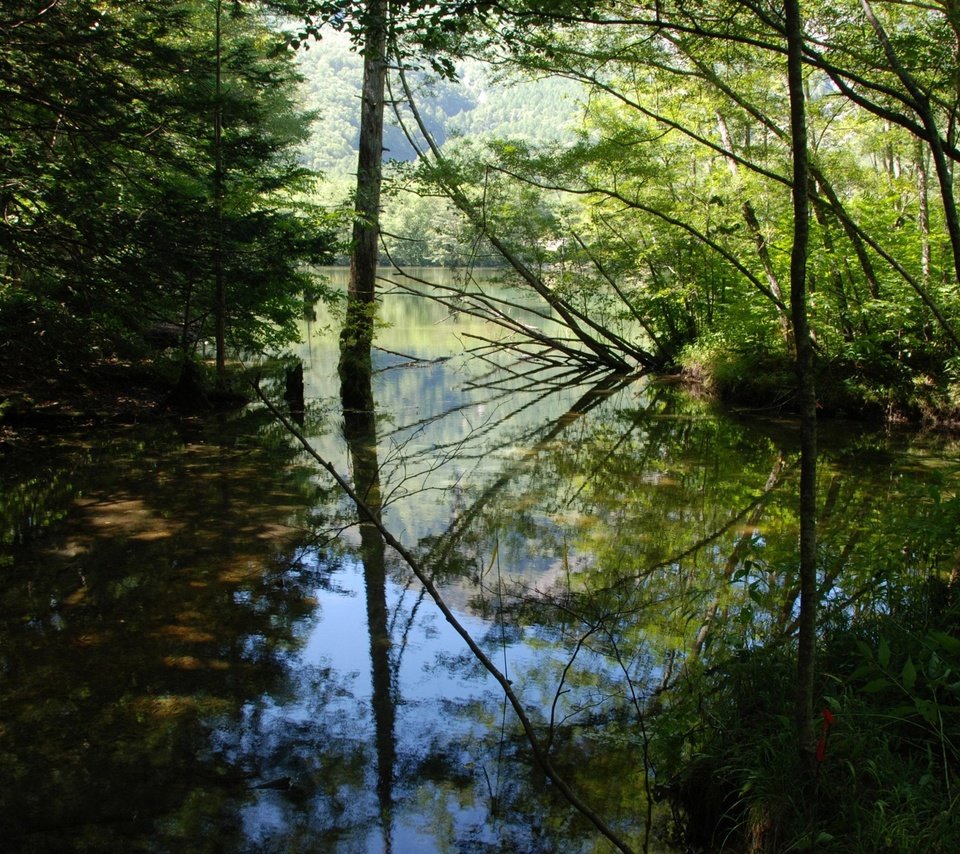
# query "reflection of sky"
(339, 641)
(435, 430)
(438, 683)
(441, 443)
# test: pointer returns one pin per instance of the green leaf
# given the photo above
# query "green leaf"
(865, 650)
(947, 642)
(928, 709)
(902, 711)
(876, 686)
(909, 675)
(883, 653)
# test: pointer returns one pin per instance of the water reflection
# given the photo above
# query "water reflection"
(147, 598)
(360, 432)
(202, 649)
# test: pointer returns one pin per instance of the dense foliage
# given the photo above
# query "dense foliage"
(668, 215)
(148, 149)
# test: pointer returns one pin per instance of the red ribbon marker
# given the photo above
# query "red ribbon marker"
(828, 721)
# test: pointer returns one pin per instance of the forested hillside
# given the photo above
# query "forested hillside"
(478, 104)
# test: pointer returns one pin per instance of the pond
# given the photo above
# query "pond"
(202, 650)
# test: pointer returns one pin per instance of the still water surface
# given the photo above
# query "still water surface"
(200, 651)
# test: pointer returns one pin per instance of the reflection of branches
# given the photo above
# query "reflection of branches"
(831, 573)
(561, 690)
(756, 504)
(588, 401)
(642, 723)
(436, 456)
(549, 373)
(404, 635)
(495, 401)
(603, 460)
(540, 754)
(607, 623)
(755, 510)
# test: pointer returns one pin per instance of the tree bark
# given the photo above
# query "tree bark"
(220, 288)
(923, 216)
(357, 333)
(807, 632)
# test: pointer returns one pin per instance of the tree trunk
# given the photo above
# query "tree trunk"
(220, 288)
(807, 633)
(357, 334)
(924, 213)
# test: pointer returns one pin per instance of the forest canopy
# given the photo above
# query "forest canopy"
(659, 200)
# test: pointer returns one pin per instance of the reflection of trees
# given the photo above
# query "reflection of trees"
(366, 482)
(667, 506)
(360, 431)
(671, 530)
(166, 598)
(643, 539)
(642, 526)
(591, 639)
(441, 549)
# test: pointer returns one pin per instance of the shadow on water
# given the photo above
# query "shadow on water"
(152, 587)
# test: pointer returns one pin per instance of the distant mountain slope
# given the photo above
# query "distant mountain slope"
(475, 105)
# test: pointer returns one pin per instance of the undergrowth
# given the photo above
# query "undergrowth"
(888, 777)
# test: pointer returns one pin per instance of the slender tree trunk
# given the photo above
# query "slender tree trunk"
(220, 288)
(807, 633)
(924, 213)
(753, 224)
(357, 334)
